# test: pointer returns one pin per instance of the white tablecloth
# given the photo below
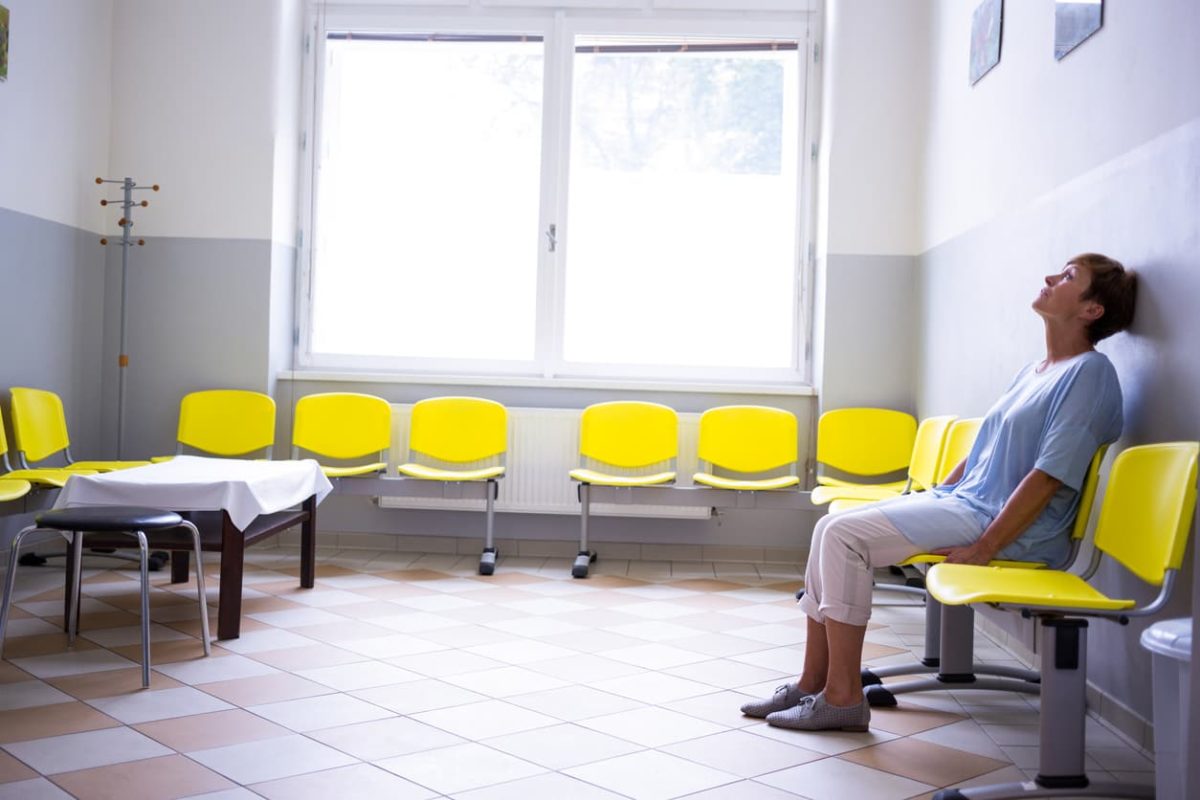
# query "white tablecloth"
(244, 489)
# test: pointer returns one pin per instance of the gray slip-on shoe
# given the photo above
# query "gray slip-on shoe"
(814, 714)
(785, 697)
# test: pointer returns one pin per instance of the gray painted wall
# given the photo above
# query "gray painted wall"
(53, 276)
(978, 329)
(868, 344)
(198, 317)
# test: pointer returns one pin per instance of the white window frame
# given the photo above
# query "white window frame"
(558, 28)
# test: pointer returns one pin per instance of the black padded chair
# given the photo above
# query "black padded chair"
(113, 524)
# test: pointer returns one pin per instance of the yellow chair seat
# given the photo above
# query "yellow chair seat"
(842, 504)
(160, 459)
(930, 558)
(13, 489)
(606, 479)
(435, 474)
(765, 484)
(358, 469)
(104, 466)
(895, 486)
(869, 494)
(960, 584)
(45, 477)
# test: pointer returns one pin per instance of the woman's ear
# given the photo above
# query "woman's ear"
(1092, 311)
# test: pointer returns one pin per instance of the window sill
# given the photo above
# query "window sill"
(630, 384)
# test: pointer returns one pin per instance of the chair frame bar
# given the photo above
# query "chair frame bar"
(76, 544)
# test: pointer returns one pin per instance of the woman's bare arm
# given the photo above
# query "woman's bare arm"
(1032, 495)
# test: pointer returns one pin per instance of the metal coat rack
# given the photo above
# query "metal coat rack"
(127, 204)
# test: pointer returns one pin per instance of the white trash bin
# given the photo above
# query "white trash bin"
(1171, 643)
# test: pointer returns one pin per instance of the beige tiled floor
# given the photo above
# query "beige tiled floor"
(408, 676)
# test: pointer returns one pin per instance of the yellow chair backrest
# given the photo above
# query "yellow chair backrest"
(959, 440)
(748, 438)
(1087, 496)
(927, 450)
(39, 424)
(342, 424)
(1148, 506)
(3, 438)
(227, 422)
(458, 429)
(629, 434)
(866, 441)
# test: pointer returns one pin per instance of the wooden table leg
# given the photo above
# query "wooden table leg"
(68, 589)
(229, 609)
(179, 566)
(308, 544)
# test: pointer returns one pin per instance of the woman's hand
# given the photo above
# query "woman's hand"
(977, 553)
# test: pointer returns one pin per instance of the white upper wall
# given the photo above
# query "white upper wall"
(54, 110)
(196, 108)
(1034, 123)
(873, 125)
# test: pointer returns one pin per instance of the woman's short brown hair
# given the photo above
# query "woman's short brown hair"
(1113, 287)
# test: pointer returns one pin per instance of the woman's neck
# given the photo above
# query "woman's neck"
(1065, 343)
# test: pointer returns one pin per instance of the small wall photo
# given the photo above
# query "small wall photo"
(3, 43)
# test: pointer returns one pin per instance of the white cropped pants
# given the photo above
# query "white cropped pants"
(845, 549)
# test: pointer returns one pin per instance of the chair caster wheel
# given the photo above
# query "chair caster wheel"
(869, 678)
(157, 560)
(487, 561)
(582, 561)
(879, 697)
(31, 560)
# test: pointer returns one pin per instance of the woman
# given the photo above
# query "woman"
(1014, 497)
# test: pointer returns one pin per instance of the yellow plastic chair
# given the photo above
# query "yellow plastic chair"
(959, 441)
(752, 443)
(454, 439)
(13, 489)
(866, 443)
(1144, 524)
(922, 471)
(623, 443)
(41, 477)
(950, 632)
(40, 431)
(225, 422)
(344, 426)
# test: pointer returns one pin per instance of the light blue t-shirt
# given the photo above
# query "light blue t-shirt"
(1053, 421)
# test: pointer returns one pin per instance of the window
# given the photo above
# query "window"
(579, 198)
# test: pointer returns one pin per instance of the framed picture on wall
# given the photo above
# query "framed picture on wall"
(3, 43)
(985, 37)
(1074, 22)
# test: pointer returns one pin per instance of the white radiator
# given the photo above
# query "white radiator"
(543, 446)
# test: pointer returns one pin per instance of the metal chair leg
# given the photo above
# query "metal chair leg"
(200, 590)
(487, 561)
(585, 557)
(1061, 769)
(954, 627)
(144, 550)
(10, 581)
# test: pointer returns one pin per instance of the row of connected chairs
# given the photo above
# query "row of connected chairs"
(451, 439)
(1143, 526)
(633, 443)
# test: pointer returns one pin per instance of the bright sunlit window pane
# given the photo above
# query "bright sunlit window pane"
(682, 231)
(427, 211)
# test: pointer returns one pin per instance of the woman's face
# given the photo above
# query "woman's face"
(1062, 296)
